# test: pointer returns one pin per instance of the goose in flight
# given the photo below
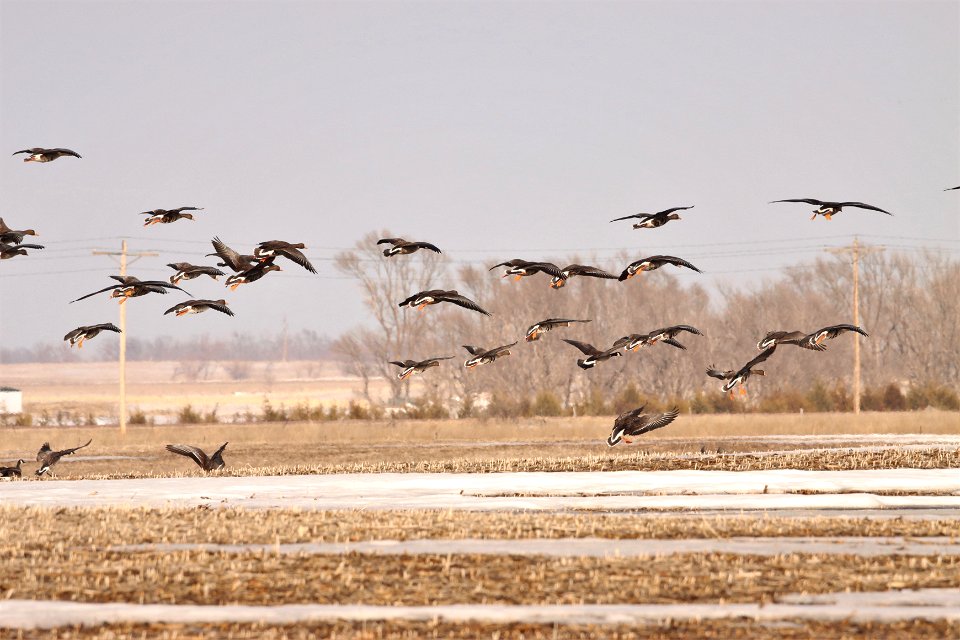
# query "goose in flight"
(631, 424)
(8, 251)
(78, 335)
(187, 271)
(39, 154)
(199, 306)
(166, 216)
(232, 259)
(808, 340)
(207, 463)
(830, 209)
(402, 247)
(132, 287)
(652, 263)
(413, 367)
(482, 355)
(536, 330)
(279, 248)
(594, 355)
(521, 268)
(13, 236)
(436, 296)
(47, 457)
(251, 274)
(579, 270)
(741, 375)
(666, 335)
(654, 220)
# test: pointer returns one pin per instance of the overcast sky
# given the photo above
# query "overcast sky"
(495, 130)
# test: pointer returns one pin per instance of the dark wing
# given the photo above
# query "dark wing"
(298, 257)
(628, 415)
(655, 421)
(766, 353)
(211, 271)
(111, 288)
(807, 200)
(73, 334)
(232, 258)
(586, 270)
(685, 327)
(673, 343)
(586, 349)
(162, 284)
(679, 262)
(861, 205)
(34, 150)
(429, 360)
(547, 267)
(393, 241)
(106, 326)
(462, 301)
(180, 266)
(67, 152)
(67, 452)
(175, 308)
(501, 348)
(667, 212)
(508, 263)
(636, 215)
(179, 209)
(3, 227)
(474, 351)
(411, 299)
(27, 246)
(952, 189)
(216, 305)
(427, 245)
(403, 363)
(194, 453)
(713, 372)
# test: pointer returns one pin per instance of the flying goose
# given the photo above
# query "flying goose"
(666, 335)
(486, 356)
(401, 247)
(654, 220)
(521, 268)
(436, 296)
(809, 340)
(412, 367)
(631, 424)
(594, 355)
(652, 263)
(187, 271)
(166, 216)
(741, 375)
(39, 154)
(952, 189)
(78, 335)
(579, 270)
(278, 248)
(252, 274)
(47, 457)
(12, 472)
(13, 236)
(536, 330)
(211, 463)
(8, 251)
(132, 287)
(199, 306)
(830, 209)
(232, 259)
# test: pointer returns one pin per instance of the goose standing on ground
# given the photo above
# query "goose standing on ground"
(8, 251)
(412, 367)
(579, 270)
(741, 375)
(12, 472)
(47, 457)
(809, 340)
(436, 296)
(13, 236)
(166, 216)
(207, 463)
(78, 335)
(654, 220)
(279, 248)
(234, 260)
(830, 209)
(536, 330)
(132, 287)
(401, 247)
(631, 424)
(187, 271)
(486, 356)
(199, 306)
(39, 154)
(521, 268)
(252, 274)
(651, 264)
(594, 355)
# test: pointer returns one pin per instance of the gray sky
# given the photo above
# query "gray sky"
(495, 130)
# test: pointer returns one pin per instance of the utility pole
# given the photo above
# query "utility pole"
(284, 334)
(856, 250)
(123, 254)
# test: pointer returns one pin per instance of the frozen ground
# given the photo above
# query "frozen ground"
(848, 491)
(929, 604)
(592, 547)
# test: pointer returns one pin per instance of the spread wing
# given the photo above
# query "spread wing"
(411, 299)
(713, 372)
(813, 201)
(189, 451)
(462, 301)
(67, 452)
(116, 286)
(403, 363)
(298, 257)
(474, 351)
(106, 326)
(861, 205)
(232, 258)
(655, 421)
(586, 270)
(501, 349)
(636, 215)
(667, 212)
(679, 262)
(393, 241)
(67, 152)
(427, 245)
(586, 349)
(766, 353)
(546, 267)
(438, 359)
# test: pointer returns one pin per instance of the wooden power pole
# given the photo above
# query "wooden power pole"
(856, 250)
(123, 255)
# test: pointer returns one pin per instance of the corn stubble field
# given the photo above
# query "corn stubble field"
(88, 554)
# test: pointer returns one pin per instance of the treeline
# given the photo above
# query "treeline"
(909, 304)
(297, 345)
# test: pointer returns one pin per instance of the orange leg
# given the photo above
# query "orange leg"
(517, 277)
(182, 312)
(828, 216)
(743, 390)
(423, 306)
(122, 300)
(80, 343)
(234, 286)
(627, 440)
(636, 348)
(814, 216)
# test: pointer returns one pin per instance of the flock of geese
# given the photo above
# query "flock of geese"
(248, 268)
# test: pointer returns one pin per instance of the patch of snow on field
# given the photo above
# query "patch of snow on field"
(926, 604)
(609, 491)
(588, 547)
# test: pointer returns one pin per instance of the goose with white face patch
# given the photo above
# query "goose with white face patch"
(47, 457)
(414, 367)
(199, 306)
(536, 330)
(594, 355)
(424, 299)
(523, 268)
(486, 356)
(741, 375)
(402, 247)
(830, 209)
(166, 216)
(631, 424)
(654, 220)
(653, 263)
(579, 270)
(39, 154)
(187, 271)
(78, 335)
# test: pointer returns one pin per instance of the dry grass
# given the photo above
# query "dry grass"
(736, 629)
